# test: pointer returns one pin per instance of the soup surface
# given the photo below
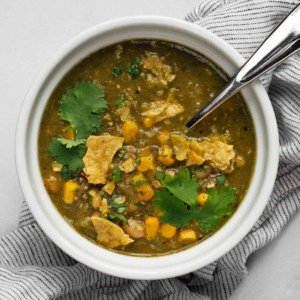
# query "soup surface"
(116, 158)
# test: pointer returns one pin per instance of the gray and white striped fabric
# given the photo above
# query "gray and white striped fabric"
(32, 267)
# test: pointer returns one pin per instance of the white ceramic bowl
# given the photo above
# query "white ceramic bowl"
(53, 223)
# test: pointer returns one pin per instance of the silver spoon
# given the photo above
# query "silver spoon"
(281, 43)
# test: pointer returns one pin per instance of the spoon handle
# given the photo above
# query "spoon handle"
(280, 44)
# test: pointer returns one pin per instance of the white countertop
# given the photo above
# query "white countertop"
(31, 31)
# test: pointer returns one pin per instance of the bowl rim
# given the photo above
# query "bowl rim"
(157, 267)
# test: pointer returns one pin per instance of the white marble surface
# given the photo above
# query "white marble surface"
(31, 31)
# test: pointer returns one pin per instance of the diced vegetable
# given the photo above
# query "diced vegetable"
(70, 187)
(166, 156)
(163, 137)
(147, 163)
(167, 231)
(129, 130)
(151, 228)
(187, 236)
(202, 197)
(148, 122)
(144, 190)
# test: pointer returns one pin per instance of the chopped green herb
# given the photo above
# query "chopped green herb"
(160, 175)
(139, 204)
(138, 160)
(68, 153)
(80, 106)
(116, 175)
(118, 216)
(116, 71)
(121, 152)
(139, 182)
(134, 69)
(119, 101)
(221, 180)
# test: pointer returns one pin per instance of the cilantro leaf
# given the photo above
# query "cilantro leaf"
(219, 204)
(220, 180)
(175, 211)
(70, 143)
(116, 71)
(134, 69)
(80, 106)
(67, 153)
(182, 185)
(138, 160)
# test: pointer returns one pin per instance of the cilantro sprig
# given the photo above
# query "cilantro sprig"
(219, 204)
(69, 153)
(178, 202)
(80, 106)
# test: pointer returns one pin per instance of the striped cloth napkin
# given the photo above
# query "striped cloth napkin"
(32, 267)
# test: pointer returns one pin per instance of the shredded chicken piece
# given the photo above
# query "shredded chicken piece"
(180, 145)
(110, 234)
(100, 152)
(128, 165)
(161, 72)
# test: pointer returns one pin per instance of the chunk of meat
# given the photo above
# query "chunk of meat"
(100, 152)
(110, 234)
(128, 165)
(180, 145)
(161, 72)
